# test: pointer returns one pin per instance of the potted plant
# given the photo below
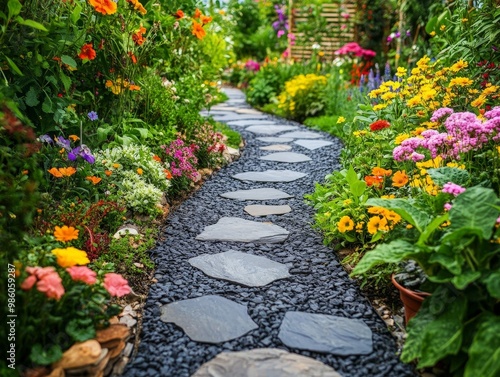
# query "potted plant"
(459, 251)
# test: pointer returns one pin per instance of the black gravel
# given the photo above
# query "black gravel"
(318, 285)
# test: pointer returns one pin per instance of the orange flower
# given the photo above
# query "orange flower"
(374, 181)
(104, 6)
(156, 158)
(134, 87)
(95, 180)
(380, 172)
(205, 19)
(132, 57)
(168, 175)
(65, 233)
(25, 172)
(197, 14)
(139, 171)
(377, 223)
(379, 125)
(399, 179)
(179, 14)
(62, 172)
(108, 172)
(137, 37)
(74, 137)
(138, 6)
(198, 30)
(87, 52)
(55, 172)
(116, 166)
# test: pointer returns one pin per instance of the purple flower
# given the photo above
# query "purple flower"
(92, 116)
(447, 206)
(439, 113)
(280, 33)
(452, 188)
(46, 139)
(64, 143)
(84, 152)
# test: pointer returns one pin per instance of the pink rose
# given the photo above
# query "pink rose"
(82, 273)
(51, 285)
(116, 285)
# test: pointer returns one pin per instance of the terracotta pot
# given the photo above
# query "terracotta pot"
(411, 300)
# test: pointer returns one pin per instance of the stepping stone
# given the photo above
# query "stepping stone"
(209, 319)
(264, 362)
(245, 123)
(257, 194)
(224, 108)
(248, 111)
(270, 176)
(270, 129)
(313, 144)
(302, 135)
(240, 117)
(276, 147)
(235, 229)
(241, 268)
(258, 210)
(326, 333)
(274, 139)
(286, 157)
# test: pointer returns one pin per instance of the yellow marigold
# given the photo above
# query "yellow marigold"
(392, 216)
(65, 233)
(459, 166)
(359, 133)
(377, 211)
(376, 224)
(116, 166)
(416, 71)
(400, 138)
(70, 257)
(479, 101)
(345, 224)
(399, 178)
(380, 106)
(423, 62)
(105, 7)
(460, 81)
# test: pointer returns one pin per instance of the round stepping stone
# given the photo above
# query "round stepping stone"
(326, 333)
(264, 362)
(235, 229)
(286, 157)
(269, 130)
(245, 123)
(277, 147)
(302, 135)
(313, 144)
(263, 210)
(241, 268)
(270, 176)
(275, 139)
(209, 319)
(257, 194)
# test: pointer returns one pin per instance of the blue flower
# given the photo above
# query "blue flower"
(64, 143)
(84, 152)
(46, 139)
(93, 116)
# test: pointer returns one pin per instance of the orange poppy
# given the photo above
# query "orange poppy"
(95, 180)
(205, 19)
(87, 52)
(198, 30)
(179, 14)
(105, 7)
(197, 14)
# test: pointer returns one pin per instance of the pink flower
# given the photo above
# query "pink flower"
(116, 285)
(51, 285)
(82, 273)
(28, 283)
(452, 188)
(281, 33)
(447, 206)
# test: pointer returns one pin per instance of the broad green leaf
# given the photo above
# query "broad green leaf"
(31, 23)
(416, 217)
(492, 282)
(143, 132)
(13, 66)
(47, 106)
(45, 356)
(448, 258)
(79, 331)
(484, 353)
(437, 329)
(103, 132)
(31, 98)
(443, 175)
(357, 187)
(66, 81)
(474, 208)
(434, 224)
(68, 60)
(392, 252)
(76, 14)
(14, 7)
(465, 278)
(431, 25)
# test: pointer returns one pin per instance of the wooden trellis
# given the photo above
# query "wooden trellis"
(338, 28)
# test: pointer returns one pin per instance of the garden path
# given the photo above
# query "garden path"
(241, 272)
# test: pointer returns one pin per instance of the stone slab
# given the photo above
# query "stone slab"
(312, 144)
(242, 268)
(276, 147)
(235, 229)
(224, 108)
(229, 118)
(270, 176)
(290, 157)
(264, 362)
(326, 333)
(275, 139)
(257, 194)
(245, 123)
(302, 135)
(269, 129)
(249, 111)
(258, 210)
(209, 319)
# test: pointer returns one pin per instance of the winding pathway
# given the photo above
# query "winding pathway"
(245, 285)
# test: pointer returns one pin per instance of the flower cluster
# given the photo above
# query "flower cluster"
(352, 49)
(182, 159)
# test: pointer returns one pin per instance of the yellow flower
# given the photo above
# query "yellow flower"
(376, 224)
(70, 257)
(391, 196)
(465, 20)
(116, 166)
(401, 72)
(73, 137)
(490, 90)
(418, 131)
(345, 224)
(415, 101)
(388, 96)
(433, 33)
(400, 138)
(399, 179)
(65, 233)
(347, 202)
(359, 133)
(479, 101)
(380, 106)
(359, 227)
(340, 120)
(461, 64)
(392, 216)
(139, 171)
(442, 27)
(460, 81)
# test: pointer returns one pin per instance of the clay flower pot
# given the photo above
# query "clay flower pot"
(411, 300)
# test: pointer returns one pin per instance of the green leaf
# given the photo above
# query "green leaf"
(42, 356)
(492, 282)
(484, 353)
(31, 23)
(32, 97)
(102, 133)
(14, 7)
(76, 14)
(437, 329)
(431, 25)
(474, 208)
(143, 132)
(13, 66)
(443, 175)
(48, 106)
(430, 228)
(79, 330)
(392, 252)
(465, 278)
(66, 81)
(416, 217)
(68, 60)
(357, 187)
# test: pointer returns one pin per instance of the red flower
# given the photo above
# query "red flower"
(379, 125)
(179, 14)
(87, 52)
